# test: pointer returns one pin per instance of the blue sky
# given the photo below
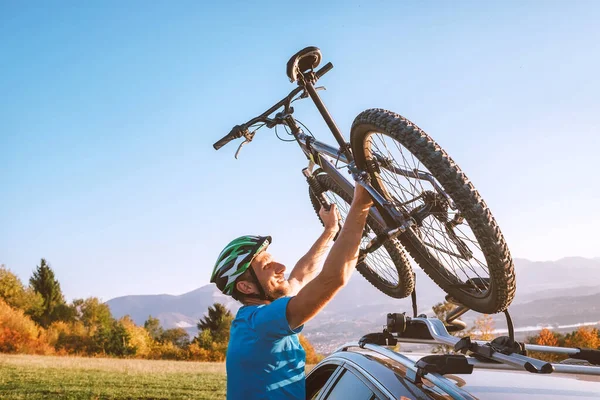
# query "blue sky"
(108, 112)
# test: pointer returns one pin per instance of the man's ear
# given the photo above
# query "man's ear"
(245, 287)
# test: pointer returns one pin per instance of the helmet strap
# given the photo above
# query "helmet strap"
(262, 295)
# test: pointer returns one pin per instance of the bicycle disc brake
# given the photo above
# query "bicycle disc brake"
(435, 204)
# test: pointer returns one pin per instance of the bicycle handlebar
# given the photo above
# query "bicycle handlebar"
(325, 69)
(236, 132)
(239, 130)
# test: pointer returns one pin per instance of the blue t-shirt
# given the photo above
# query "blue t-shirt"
(264, 358)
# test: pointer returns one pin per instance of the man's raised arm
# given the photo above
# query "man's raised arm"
(338, 267)
(308, 266)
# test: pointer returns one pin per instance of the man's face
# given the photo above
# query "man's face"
(270, 275)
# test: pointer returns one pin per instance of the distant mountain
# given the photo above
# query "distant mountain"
(555, 292)
(564, 273)
(173, 311)
(558, 310)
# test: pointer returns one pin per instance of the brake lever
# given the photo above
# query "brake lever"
(249, 136)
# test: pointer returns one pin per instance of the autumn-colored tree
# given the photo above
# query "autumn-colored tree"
(547, 337)
(140, 341)
(168, 351)
(16, 295)
(441, 311)
(584, 337)
(71, 338)
(93, 313)
(312, 357)
(19, 334)
(197, 353)
(483, 326)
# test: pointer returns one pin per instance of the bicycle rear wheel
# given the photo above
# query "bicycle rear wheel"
(454, 238)
(387, 268)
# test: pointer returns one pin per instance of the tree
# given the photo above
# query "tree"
(484, 326)
(17, 296)
(583, 337)
(312, 357)
(177, 336)
(139, 339)
(217, 323)
(204, 339)
(547, 338)
(152, 325)
(441, 311)
(19, 334)
(43, 282)
(113, 340)
(71, 338)
(93, 313)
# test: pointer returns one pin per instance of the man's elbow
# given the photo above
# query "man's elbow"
(334, 282)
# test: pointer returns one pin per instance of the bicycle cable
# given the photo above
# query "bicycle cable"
(313, 136)
(283, 140)
(305, 127)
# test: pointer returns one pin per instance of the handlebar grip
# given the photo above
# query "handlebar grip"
(235, 133)
(222, 142)
(326, 68)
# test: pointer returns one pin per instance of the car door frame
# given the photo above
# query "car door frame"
(363, 375)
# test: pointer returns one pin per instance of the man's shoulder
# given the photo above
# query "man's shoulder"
(266, 317)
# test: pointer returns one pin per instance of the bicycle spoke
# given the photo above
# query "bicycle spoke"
(459, 262)
(406, 190)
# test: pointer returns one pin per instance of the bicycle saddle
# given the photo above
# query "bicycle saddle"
(304, 60)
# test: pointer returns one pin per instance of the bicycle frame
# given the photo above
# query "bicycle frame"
(383, 210)
(314, 149)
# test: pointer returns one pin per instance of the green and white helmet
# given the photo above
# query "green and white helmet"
(235, 259)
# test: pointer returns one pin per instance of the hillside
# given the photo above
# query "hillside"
(565, 291)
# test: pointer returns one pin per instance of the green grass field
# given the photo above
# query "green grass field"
(46, 377)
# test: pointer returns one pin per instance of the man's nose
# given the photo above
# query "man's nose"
(279, 268)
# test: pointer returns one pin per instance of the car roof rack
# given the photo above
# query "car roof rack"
(500, 353)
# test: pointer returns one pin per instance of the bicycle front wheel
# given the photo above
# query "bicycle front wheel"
(454, 237)
(388, 267)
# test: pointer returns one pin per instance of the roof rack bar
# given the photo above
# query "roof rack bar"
(558, 368)
(439, 335)
(438, 332)
(533, 347)
(551, 349)
(561, 368)
(438, 380)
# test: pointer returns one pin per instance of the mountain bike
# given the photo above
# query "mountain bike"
(423, 203)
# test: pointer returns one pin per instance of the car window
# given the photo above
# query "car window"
(349, 386)
(317, 380)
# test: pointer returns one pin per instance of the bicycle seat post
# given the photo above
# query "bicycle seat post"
(328, 119)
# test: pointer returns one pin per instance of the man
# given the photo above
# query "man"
(264, 357)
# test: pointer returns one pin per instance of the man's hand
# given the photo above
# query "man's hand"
(330, 218)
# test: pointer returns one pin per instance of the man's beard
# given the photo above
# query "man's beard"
(279, 292)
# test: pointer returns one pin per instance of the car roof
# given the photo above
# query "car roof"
(483, 383)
